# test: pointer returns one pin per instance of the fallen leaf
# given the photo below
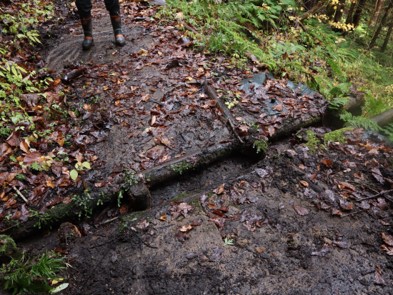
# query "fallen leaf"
(304, 183)
(186, 228)
(388, 250)
(378, 175)
(327, 162)
(142, 224)
(388, 239)
(345, 205)
(278, 107)
(24, 146)
(378, 279)
(220, 189)
(345, 185)
(301, 210)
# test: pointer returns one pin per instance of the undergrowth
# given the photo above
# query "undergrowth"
(304, 50)
(26, 274)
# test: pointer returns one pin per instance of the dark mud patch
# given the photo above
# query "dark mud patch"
(203, 179)
(264, 231)
(68, 51)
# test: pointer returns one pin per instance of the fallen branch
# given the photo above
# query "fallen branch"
(20, 195)
(227, 115)
(381, 193)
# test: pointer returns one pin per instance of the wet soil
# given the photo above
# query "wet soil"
(293, 221)
(290, 223)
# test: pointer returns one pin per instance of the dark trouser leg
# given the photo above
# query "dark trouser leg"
(113, 7)
(84, 10)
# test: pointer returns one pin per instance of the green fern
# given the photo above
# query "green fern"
(359, 122)
(388, 131)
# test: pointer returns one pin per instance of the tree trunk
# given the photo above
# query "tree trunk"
(380, 26)
(358, 13)
(309, 4)
(379, 4)
(339, 11)
(349, 19)
(387, 37)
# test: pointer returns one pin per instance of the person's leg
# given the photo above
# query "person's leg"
(84, 10)
(113, 7)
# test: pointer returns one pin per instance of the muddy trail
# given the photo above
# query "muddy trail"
(204, 179)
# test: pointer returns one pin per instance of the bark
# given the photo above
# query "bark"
(379, 4)
(332, 116)
(358, 12)
(339, 11)
(381, 24)
(315, 9)
(349, 19)
(309, 4)
(387, 37)
(384, 118)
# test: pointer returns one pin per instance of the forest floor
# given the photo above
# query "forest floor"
(311, 214)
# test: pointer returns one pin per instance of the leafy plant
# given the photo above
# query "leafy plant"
(29, 275)
(181, 167)
(260, 146)
(83, 204)
(42, 219)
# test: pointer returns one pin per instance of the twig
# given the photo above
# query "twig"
(376, 195)
(20, 194)
(227, 115)
(108, 221)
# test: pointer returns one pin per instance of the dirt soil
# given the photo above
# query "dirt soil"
(294, 222)
(311, 216)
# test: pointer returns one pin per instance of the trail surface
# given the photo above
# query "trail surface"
(312, 216)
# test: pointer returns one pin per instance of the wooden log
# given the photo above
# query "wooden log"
(384, 118)
(332, 118)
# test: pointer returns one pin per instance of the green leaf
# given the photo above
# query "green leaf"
(86, 165)
(73, 174)
(59, 288)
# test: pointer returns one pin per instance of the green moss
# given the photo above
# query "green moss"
(336, 136)
(181, 167)
(312, 141)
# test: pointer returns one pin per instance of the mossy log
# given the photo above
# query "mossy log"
(354, 106)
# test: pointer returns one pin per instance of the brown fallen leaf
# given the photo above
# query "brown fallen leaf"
(278, 107)
(186, 228)
(388, 250)
(378, 175)
(345, 185)
(301, 210)
(219, 190)
(345, 205)
(304, 183)
(388, 239)
(163, 217)
(378, 279)
(327, 162)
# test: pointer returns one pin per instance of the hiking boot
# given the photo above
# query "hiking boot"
(116, 24)
(87, 42)
(87, 27)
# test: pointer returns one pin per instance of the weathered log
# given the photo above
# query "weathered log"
(354, 106)
(384, 118)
